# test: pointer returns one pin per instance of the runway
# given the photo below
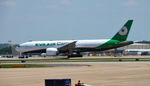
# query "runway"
(85, 57)
(98, 74)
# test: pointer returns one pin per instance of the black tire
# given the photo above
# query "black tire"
(68, 56)
(21, 57)
(26, 56)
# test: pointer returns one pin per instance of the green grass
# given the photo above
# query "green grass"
(76, 60)
(22, 66)
(31, 66)
(6, 66)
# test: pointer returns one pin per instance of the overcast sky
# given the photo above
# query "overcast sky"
(24, 20)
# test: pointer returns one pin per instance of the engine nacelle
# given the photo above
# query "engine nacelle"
(51, 51)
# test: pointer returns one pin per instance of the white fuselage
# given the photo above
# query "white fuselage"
(38, 45)
(68, 47)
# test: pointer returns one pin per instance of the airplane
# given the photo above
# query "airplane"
(73, 48)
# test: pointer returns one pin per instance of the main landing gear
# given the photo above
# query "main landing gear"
(24, 55)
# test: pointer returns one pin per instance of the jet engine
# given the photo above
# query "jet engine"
(51, 51)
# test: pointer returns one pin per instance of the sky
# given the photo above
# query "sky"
(24, 20)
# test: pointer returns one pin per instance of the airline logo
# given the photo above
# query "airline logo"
(123, 31)
(51, 44)
(45, 44)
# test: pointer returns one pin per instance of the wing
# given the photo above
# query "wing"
(69, 46)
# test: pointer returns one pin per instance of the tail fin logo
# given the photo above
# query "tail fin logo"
(123, 31)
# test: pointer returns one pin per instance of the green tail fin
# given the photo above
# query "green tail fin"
(122, 34)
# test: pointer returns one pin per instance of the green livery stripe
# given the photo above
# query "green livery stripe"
(109, 43)
(114, 43)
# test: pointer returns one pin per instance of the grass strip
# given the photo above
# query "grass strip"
(22, 66)
(77, 60)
